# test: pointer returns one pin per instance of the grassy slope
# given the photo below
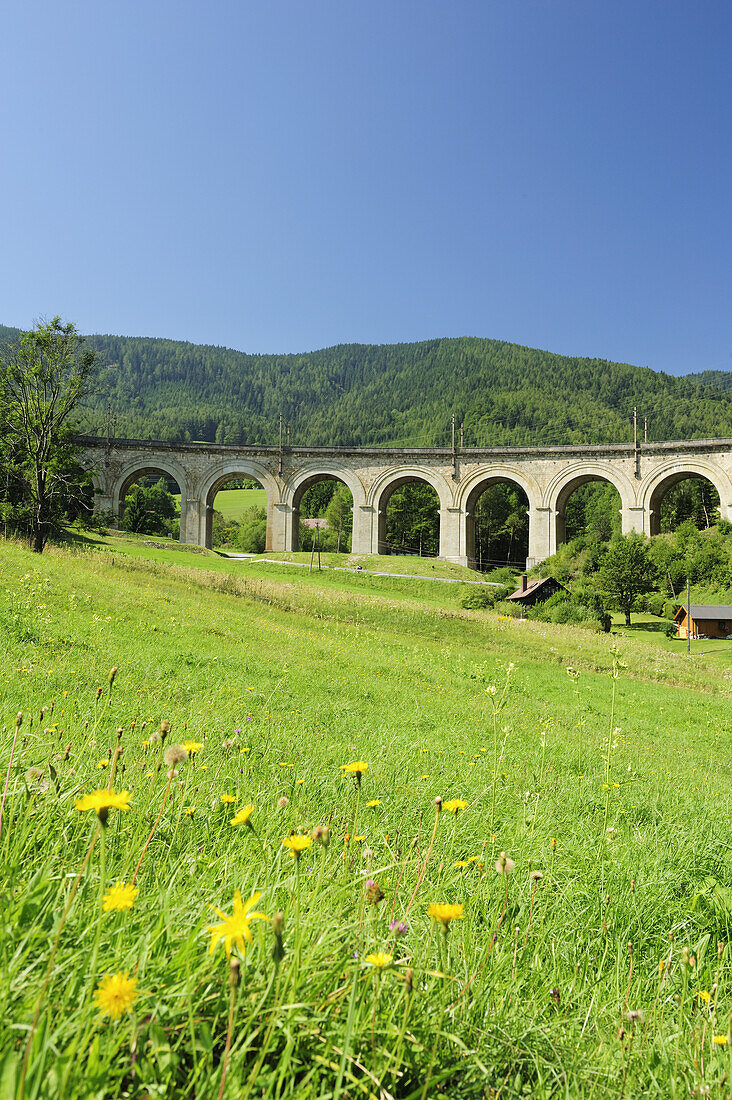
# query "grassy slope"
(316, 671)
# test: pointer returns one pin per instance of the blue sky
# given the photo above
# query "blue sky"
(292, 174)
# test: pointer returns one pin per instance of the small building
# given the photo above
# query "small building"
(704, 620)
(537, 591)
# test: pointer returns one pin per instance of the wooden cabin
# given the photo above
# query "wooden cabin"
(537, 591)
(705, 620)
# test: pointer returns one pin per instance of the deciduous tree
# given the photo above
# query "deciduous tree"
(626, 571)
(43, 378)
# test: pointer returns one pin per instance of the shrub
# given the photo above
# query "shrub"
(474, 598)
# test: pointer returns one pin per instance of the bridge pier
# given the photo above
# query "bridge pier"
(452, 536)
(542, 535)
(362, 534)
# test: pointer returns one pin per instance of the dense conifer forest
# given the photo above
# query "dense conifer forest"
(401, 394)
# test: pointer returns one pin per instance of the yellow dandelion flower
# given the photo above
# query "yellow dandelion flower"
(102, 802)
(454, 805)
(102, 764)
(192, 747)
(116, 994)
(297, 844)
(227, 799)
(720, 1040)
(704, 995)
(445, 913)
(373, 803)
(120, 897)
(358, 767)
(379, 959)
(461, 863)
(189, 811)
(235, 929)
(242, 818)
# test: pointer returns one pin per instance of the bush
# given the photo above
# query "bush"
(251, 534)
(475, 599)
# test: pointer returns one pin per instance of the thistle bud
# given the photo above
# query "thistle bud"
(374, 893)
(278, 928)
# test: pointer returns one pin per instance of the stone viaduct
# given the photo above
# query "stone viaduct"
(641, 473)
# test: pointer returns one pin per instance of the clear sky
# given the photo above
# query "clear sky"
(284, 175)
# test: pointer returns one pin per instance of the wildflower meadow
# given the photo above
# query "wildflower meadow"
(333, 837)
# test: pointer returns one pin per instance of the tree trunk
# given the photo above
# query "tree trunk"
(627, 617)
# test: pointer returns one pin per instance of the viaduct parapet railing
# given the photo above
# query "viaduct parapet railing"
(642, 474)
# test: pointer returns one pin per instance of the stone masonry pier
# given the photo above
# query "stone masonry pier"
(641, 473)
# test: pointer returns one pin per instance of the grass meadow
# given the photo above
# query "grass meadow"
(526, 892)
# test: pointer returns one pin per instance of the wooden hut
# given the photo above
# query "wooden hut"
(704, 620)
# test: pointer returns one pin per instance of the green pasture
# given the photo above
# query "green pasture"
(602, 772)
(232, 503)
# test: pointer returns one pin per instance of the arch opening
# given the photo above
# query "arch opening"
(682, 497)
(236, 514)
(409, 518)
(497, 525)
(322, 515)
(588, 511)
(150, 502)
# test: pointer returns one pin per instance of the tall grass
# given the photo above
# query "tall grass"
(597, 966)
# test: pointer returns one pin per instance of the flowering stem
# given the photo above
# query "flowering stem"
(47, 976)
(18, 722)
(423, 871)
(233, 982)
(152, 831)
(438, 1029)
(531, 910)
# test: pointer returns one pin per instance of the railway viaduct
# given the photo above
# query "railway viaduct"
(641, 473)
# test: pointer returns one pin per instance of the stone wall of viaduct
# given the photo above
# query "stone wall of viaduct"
(548, 476)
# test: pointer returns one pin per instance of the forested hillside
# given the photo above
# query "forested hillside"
(401, 393)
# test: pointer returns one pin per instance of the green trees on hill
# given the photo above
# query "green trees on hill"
(393, 394)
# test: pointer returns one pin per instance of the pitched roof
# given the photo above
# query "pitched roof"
(533, 586)
(708, 611)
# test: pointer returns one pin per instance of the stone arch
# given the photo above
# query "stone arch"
(564, 484)
(656, 484)
(472, 489)
(216, 478)
(391, 480)
(147, 466)
(298, 485)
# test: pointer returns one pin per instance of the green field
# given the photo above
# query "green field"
(232, 503)
(607, 974)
